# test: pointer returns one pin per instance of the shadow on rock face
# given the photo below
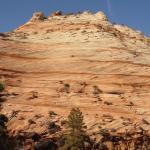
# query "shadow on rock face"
(46, 145)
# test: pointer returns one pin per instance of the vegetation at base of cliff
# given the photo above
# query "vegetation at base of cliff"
(73, 138)
(76, 138)
(7, 142)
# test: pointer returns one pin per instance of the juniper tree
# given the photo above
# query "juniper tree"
(1, 87)
(1, 90)
(74, 139)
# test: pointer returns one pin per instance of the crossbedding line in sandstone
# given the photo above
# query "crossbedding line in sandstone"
(117, 61)
(3, 54)
(76, 73)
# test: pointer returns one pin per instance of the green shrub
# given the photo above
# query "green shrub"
(2, 87)
(96, 90)
(66, 87)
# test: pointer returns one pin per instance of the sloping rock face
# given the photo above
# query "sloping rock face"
(79, 60)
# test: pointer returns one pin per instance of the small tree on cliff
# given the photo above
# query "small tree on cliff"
(1, 87)
(74, 139)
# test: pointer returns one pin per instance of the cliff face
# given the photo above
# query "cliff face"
(83, 60)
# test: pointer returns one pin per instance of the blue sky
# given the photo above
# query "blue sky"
(134, 13)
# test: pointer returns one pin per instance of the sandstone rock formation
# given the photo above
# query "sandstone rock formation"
(57, 13)
(79, 60)
(37, 16)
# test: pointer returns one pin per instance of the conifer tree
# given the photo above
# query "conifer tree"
(75, 136)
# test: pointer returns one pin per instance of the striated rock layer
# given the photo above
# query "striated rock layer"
(62, 61)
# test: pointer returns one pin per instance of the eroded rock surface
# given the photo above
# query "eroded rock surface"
(55, 63)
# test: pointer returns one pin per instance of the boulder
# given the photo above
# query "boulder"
(57, 13)
(100, 15)
(38, 16)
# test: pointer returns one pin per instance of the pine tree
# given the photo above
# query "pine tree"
(75, 136)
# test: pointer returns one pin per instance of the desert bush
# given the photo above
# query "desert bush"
(52, 127)
(66, 87)
(2, 87)
(108, 103)
(128, 140)
(30, 121)
(96, 90)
